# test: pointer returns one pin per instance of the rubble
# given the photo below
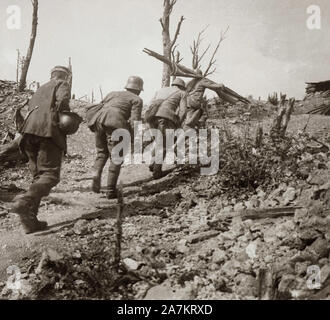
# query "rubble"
(250, 232)
(317, 99)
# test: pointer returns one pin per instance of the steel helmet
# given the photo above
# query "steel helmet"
(135, 83)
(178, 82)
(69, 122)
(61, 69)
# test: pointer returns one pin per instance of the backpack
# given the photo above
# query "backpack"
(150, 114)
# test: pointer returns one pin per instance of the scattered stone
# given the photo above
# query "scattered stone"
(231, 268)
(239, 206)
(173, 228)
(320, 247)
(319, 177)
(167, 199)
(161, 292)
(251, 249)
(131, 264)
(261, 195)
(218, 256)
(301, 268)
(325, 273)
(80, 227)
(288, 196)
(289, 284)
(202, 236)
(182, 246)
(48, 255)
(270, 235)
(246, 285)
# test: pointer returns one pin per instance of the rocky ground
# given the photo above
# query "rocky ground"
(184, 236)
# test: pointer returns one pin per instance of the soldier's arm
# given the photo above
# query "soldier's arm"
(136, 111)
(63, 95)
(182, 107)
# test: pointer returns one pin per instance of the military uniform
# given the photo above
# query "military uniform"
(195, 100)
(168, 116)
(118, 108)
(44, 144)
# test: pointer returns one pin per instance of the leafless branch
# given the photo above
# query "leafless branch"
(171, 5)
(203, 54)
(178, 59)
(161, 22)
(176, 69)
(196, 59)
(212, 60)
(177, 32)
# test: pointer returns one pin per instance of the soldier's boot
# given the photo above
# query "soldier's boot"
(157, 172)
(27, 207)
(151, 167)
(112, 181)
(31, 224)
(96, 182)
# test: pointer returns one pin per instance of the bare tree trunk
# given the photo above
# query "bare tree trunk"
(165, 21)
(280, 123)
(17, 65)
(70, 75)
(287, 116)
(22, 82)
(168, 44)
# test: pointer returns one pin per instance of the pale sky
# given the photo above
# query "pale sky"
(268, 46)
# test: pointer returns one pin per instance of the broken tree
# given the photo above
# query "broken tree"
(168, 44)
(179, 70)
(282, 119)
(27, 60)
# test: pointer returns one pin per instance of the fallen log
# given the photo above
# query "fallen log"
(261, 213)
(254, 214)
(179, 70)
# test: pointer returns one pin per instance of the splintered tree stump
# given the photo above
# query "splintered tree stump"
(282, 119)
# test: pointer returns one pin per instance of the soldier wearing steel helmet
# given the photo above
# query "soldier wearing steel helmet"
(170, 114)
(195, 92)
(119, 111)
(44, 144)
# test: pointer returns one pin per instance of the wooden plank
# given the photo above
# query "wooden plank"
(262, 213)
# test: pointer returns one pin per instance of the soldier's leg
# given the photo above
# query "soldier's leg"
(163, 124)
(101, 157)
(49, 158)
(153, 151)
(30, 146)
(114, 167)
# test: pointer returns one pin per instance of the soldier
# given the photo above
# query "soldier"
(169, 115)
(196, 89)
(44, 143)
(119, 111)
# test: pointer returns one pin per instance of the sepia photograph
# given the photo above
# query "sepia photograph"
(165, 150)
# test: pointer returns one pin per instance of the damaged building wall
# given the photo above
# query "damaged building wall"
(317, 99)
